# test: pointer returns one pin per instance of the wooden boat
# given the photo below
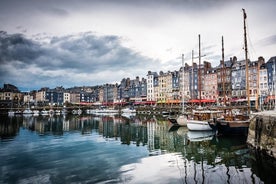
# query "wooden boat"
(203, 120)
(233, 124)
(236, 124)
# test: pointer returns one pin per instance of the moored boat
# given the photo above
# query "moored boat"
(11, 113)
(36, 112)
(44, 112)
(28, 111)
(203, 120)
(233, 125)
(180, 120)
(128, 110)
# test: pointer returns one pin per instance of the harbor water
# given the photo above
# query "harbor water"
(123, 149)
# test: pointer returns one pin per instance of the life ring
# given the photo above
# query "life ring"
(268, 127)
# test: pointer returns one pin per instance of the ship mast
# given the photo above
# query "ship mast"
(183, 93)
(246, 61)
(193, 75)
(199, 71)
(223, 72)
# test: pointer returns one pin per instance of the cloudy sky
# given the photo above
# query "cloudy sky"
(92, 42)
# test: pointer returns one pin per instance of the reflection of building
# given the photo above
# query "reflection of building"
(157, 135)
(9, 127)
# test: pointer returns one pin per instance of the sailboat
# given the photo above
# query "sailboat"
(236, 124)
(201, 119)
(180, 120)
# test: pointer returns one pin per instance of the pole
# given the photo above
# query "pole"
(183, 84)
(199, 71)
(258, 87)
(193, 84)
(223, 73)
(246, 62)
(274, 78)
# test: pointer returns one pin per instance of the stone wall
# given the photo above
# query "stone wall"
(262, 132)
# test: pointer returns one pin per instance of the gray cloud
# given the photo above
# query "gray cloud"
(270, 40)
(81, 59)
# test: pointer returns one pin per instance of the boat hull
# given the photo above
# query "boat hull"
(196, 125)
(200, 135)
(232, 127)
(180, 120)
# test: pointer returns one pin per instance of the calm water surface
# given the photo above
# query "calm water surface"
(115, 149)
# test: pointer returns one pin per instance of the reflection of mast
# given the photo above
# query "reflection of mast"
(246, 62)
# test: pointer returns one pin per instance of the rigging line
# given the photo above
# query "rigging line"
(252, 50)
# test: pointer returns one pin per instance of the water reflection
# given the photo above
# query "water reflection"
(176, 154)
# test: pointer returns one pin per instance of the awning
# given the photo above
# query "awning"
(120, 103)
(208, 100)
(161, 101)
(194, 101)
(107, 103)
(268, 98)
(238, 100)
(86, 103)
(173, 101)
(202, 100)
(144, 103)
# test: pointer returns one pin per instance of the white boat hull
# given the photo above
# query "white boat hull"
(179, 121)
(128, 110)
(182, 120)
(196, 125)
(200, 135)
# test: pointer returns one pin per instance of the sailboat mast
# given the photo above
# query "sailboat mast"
(246, 61)
(193, 84)
(223, 72)
(183, 93)
(199, 71)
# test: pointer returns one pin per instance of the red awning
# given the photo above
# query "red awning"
(202, 100)
(120, 103)
(272, 97)
(107, 103)
(86, 103)
(145, 103)
(194, 101)
(208, 101)
(238, 99)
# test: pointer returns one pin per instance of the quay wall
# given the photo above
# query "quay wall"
(262, 132)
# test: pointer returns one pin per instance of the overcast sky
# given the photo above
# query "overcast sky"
(92, 42)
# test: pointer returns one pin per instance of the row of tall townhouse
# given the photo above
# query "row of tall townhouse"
(222, 83)
(127, 91)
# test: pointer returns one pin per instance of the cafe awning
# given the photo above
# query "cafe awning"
(202, 101)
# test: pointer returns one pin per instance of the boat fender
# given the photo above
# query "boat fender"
(268, 127)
